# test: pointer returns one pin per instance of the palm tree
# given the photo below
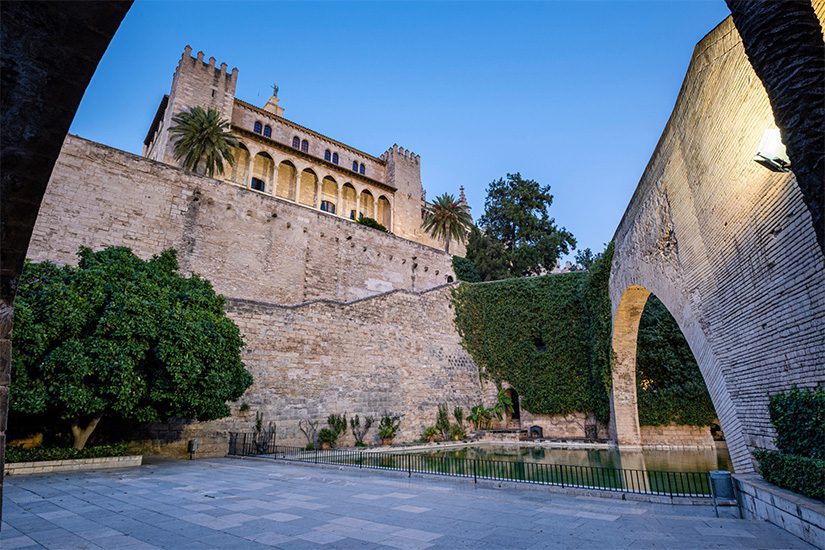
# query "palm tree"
(447, 219)
(203, 140)
(783, 41)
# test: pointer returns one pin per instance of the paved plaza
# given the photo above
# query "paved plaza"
(231, 503)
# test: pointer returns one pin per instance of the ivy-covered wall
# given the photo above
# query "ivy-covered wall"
(549, 337)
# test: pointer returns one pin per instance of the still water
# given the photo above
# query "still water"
(655, 460)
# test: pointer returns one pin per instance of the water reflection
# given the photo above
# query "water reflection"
(699, 460)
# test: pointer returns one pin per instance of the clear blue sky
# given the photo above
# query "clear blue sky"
(572, 94)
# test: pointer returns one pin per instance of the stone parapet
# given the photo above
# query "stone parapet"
(802, 516)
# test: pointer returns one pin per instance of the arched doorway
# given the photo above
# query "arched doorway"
(514, 417)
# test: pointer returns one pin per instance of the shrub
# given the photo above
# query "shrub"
(800, 474)
(431, 431)
(40, 454)
(799, 419)
(369, 222)
(388, 426)
(337, 423)
(442, 421)
(457, 431)
(358, 431)
(327, 435)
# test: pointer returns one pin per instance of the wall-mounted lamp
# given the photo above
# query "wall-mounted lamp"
(771, 153)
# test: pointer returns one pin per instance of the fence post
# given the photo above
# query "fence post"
(360, 460)
(316, 455)
(409, 465)
(475, 471)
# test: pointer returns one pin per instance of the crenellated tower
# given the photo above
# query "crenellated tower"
(195, 83)
(404, 173)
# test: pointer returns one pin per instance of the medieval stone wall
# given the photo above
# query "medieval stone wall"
(728, 247)
(250, 245)
(337, 317)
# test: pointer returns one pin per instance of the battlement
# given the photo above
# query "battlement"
(396, 153)
(187, 61)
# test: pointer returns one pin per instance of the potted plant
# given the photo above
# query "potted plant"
(358, 431)
(457, 432)
(431, 434)
(327, 437)
(481, 417)
(388, 427)
(442, 422)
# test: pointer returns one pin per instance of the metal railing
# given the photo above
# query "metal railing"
(646, 482)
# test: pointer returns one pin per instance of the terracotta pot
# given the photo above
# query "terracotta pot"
(431, 439)
(325, 445)
(386, 441)
(456, 438)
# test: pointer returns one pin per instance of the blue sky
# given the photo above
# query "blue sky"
(572, 94)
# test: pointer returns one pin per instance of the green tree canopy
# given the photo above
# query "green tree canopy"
(516, 215)
(121, 337)
(203, 141)
(490, 258)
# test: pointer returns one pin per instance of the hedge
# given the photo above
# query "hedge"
(550, 338)
(800, 474)
(39, 454)
(799, 419)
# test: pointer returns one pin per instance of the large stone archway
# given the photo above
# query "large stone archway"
(49, 52)
(728, 246)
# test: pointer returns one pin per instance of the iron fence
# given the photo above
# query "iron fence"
(647, 482)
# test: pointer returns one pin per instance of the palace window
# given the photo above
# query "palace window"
(328, 206)
(361, 169)
(268, 131)
(258, 184)
(355, 166)
(258, 127)
(334, 158)
(352, 214)
(296, 142)
(327, 155)
(305, 146)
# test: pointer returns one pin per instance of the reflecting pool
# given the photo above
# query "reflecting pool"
(699, 460)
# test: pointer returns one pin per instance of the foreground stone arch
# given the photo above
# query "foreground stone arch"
(730, 249)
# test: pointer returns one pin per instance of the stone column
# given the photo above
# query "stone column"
(339, 204)
(357, 203)
(249, 164)
(374, 209)
(297, 185)
(316, 201)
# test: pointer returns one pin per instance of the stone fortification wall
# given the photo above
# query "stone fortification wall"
(337, 317)
(250, 245)
(397, 353)
(728, 246)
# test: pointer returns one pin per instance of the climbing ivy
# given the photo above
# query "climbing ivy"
(549, 337)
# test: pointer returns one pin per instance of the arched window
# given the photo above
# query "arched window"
(262, 170)
(258, 127)
(328, 206)
(268, 131)
(334, 158)
(355, 166)
(258, 184)
(296, 142)
(305, 146)
(327, 155)
(286, 181)
(348, 208)
(361, 169)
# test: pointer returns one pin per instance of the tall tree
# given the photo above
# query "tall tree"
(516, 214)
(490, 258)
(122, 338)
(203, 140)
(783, 41)
(447, 219)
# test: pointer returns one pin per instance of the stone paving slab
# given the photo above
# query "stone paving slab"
(230, 503)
